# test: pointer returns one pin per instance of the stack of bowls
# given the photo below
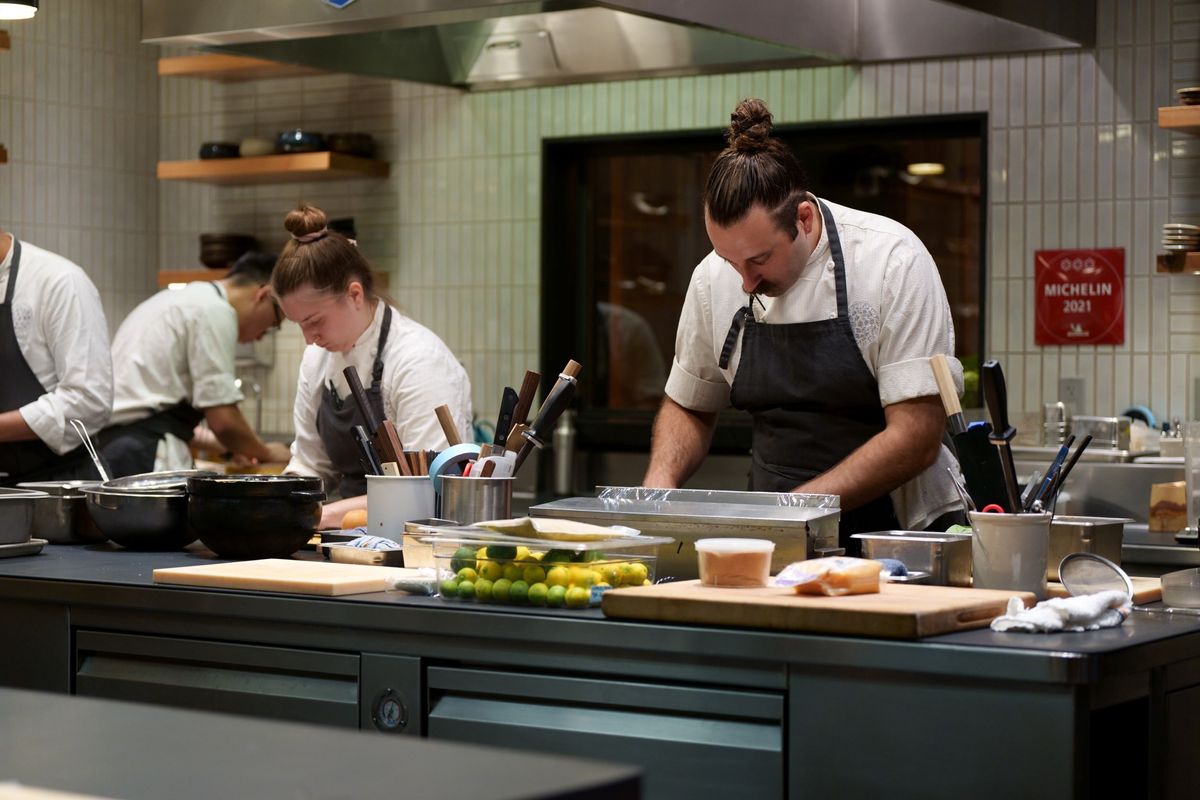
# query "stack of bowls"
(144, 512)
(1189, 96)
(220, 250)
(1180, 238)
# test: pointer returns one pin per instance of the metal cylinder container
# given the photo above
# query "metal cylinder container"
(471, 500)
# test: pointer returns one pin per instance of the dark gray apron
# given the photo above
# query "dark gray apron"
(130, 449)
(30, 460)
(813, 399)
(337, 416)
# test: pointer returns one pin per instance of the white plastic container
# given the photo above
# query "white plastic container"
(394, 500)
(737, 563)
(1008, 551)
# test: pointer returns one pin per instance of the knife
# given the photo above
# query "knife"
(553, 406)
(995, 393)
(1041, 494)
(504, 422)
(448, 427)
(529, 387)
(360, 397)
(977, 457)
(370, 459)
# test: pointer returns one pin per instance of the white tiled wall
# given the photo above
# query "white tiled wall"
(79, 117)
(1075, 160)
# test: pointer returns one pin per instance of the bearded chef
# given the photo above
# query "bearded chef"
(820, 321)
(54, 352)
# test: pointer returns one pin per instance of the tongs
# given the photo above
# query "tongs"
(91, 449)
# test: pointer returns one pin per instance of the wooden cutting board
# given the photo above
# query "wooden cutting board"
(896, 612)
(283, 575)
(1145, 590)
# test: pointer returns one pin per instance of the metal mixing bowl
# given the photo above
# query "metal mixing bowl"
(141, 521)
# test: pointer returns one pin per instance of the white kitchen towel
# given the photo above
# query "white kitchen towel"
(1087, 612)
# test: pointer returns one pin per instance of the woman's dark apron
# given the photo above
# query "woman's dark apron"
(813, 398)
(337, 416)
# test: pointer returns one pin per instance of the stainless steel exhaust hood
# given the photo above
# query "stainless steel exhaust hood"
(490, 44)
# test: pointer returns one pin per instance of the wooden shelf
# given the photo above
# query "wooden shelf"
(168, 276)
(284, 168)
(228, 68)
(1186, 263)
(1185, 119)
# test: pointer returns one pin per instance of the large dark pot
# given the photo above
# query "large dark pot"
(254, 516)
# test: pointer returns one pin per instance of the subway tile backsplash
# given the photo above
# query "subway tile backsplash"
(1075, 160)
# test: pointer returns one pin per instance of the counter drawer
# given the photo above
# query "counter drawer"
(270, 682)
(692, 741)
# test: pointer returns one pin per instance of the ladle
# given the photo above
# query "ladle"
(87, 443)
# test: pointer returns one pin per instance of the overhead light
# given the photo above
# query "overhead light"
(18, 9)
(925, 168)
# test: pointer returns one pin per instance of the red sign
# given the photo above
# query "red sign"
(1080, 296)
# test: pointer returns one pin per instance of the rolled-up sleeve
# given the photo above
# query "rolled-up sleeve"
(73, 325)
(696, 381)
(915, 325)
(212, 349)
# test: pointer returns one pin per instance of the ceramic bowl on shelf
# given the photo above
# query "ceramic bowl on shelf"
(219, 150)
(253, 146)
(220, 250)
(300, 141)
(354, 144)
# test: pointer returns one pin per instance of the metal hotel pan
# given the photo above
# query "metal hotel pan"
(945, 556)
(63, 517)
(16, 514)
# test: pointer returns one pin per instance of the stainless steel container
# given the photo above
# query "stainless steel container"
(471, 500)
(1099, 535)
(63, 518)
(16, 514)
(801, 526)
(945, 556)
(1107, 432)
(141, 521)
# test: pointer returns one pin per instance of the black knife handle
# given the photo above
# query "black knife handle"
(504, 422)
(367, 449)
(360, 397)
(995, 394)
(556, 403)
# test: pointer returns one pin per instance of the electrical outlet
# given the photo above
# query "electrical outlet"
(1070, 393)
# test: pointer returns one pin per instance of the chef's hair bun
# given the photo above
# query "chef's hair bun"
(749, 127)
(304, 220)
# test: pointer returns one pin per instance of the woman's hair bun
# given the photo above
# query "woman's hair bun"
(749, 126)
(305, 219)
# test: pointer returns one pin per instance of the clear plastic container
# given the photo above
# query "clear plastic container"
(1181, 588)
(507, 570)
(737, 563)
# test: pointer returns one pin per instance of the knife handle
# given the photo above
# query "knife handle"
(370, 457)
(504, 422)
(996, 395)
(448, 427)
(360, 397)
(949, 393)
(556, 402)
(525, 397)
(515, 437)
(387, 442)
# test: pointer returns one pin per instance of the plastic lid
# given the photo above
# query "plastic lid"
(1088, 573)
(734, 546)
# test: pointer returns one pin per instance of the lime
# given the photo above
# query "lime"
(518, 592)
(558, 576)
(512, 572)
(468, 574)
(578, 597)
(490, 570)
(500, 590)
(449, 587)
(533, 574)
(584, 556)
(483, 589)
(538, 592)
(463, 557)
(557, 557)
(504, 552)
(466, 590)
(556, 596)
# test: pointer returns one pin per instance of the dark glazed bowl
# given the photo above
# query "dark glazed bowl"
(354, 144)
(219, 150)
(254, 516)
(299, 141)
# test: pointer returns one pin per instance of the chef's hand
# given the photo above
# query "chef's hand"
(279, 452)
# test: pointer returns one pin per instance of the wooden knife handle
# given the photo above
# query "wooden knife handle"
(448, 427)
(387, 441)
(515, 440)
(525, 398)
(945, 384)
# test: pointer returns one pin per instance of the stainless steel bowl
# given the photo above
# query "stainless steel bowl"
(140, 520)
(62, 517)
(155, 482)
(16, 514)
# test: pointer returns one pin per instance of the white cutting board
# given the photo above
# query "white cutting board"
(284, 575)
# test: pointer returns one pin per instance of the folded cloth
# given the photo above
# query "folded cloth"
(373, 543)
(1086, 612)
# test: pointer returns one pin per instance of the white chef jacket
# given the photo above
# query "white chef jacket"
(419, 374)
(179, 344)
(61, 331)
(898, 310)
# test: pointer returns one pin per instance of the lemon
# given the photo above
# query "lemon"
(483, 589)
(626, 575)
(481, 553)
(490, 570)
(538, 592)
(638, 573)
(609, 574)
(466, 590)
(538, 555)
(558, 576)
(523, 554)
(500, 590)
(468, 574)
(512, 572)
(582, 577)
(556, 596)
(449, 587)
(578, 597)
(518, 592)
(533, 574)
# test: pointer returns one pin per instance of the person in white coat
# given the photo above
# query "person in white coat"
(324, 284)
(54, 354)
